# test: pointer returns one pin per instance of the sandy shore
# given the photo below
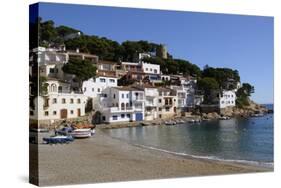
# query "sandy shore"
(104, 159)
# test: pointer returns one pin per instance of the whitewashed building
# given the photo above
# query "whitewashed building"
(227, 99)
(58, 103)
(167, 103)
(122, 104)
(94, 86)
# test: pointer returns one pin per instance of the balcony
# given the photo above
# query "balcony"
(129, 109)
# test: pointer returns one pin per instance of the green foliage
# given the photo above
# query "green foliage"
(43, 86)
(63, 31)
(223, 76)
(242, 101)
(208, 85)
(243, 95)
(125, 82)
(89, 105)
(175, 66)
(82, 69)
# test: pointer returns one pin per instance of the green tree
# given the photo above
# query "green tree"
(82, 69)
(208, 86)
(243, 95)
(43, 86)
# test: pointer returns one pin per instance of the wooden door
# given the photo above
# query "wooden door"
(63, 113)
(79, 112)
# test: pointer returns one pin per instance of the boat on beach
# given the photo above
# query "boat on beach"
(81, 133)
(58, 139)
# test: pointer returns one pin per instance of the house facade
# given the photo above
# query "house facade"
(94, 86)
(227, 98)
(122, 104)
(58, 103)
(167, 103)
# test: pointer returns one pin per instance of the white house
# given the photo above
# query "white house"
(58, 103)
(122, 104)
(151, 100)
(94, 86)
(227, 99)
(181, 97)
(167, 103)
(50, 56)
(150, 68)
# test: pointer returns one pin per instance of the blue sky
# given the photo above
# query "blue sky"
(239, 42)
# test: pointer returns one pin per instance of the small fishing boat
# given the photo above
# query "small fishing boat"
(81, 133)
(170, 122)
(180, 121)
(224, 118)
(58, 139)
(65, 131)
(257, 115)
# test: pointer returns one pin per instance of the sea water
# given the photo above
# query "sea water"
(243, 140)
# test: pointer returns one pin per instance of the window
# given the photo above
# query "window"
(98, 90)
(102, 80)
(114, 117)
(85, 89)
(52, 70)
(71, 101)
(114, 96)
(150, 69)
(112, 80)
(160, 109)
(46, 113)
(54, 112)
(93, 89)
(122, 115)
(71, 111)
(155, 71)
(127, 95)
(122, 96)
(31, 113)
(78, 101)
(54, 100)
(103, 118)
(128, 115)
(146, 69)
(222, 102)
(159, 100)
(63, 101)
(167, 109)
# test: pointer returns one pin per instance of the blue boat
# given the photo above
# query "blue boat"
(58, 139)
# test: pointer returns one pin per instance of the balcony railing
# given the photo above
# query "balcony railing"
(128, 109)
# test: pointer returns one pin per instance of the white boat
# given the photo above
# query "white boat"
(170, 123)
(180, 121)
(257, 115)
(81, 133)
(224, 118)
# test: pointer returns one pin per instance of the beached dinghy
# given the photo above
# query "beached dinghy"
(81, 133)
(58, 139)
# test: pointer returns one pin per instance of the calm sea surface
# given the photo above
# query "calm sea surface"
(245, 140)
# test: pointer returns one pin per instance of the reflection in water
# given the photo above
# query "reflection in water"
(238, 138)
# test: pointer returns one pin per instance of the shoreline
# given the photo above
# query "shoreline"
(266, 165)
(102, 158)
